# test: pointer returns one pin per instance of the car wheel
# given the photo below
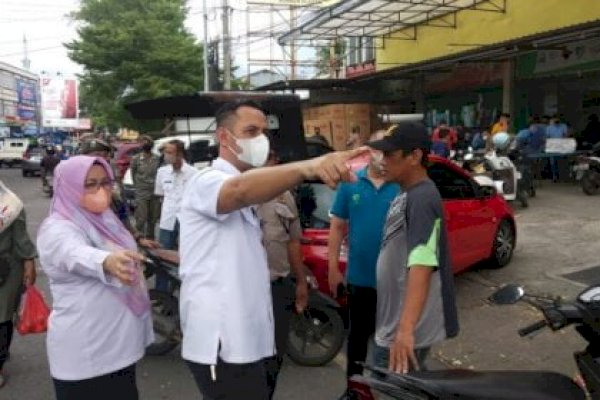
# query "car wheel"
(504, 245)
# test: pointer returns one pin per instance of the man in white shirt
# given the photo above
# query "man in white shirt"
(171, 180)
(225, 298)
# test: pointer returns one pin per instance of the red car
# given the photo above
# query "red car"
(480, 223)
(125, 153)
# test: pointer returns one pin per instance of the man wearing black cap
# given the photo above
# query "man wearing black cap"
(416, 306)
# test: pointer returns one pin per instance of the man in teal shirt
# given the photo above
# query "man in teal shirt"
(360, 209)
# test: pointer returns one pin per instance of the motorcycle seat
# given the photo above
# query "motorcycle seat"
(492, 385)
(169, 256)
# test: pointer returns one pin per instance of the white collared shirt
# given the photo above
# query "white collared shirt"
(170, 184)
(225, 297)
(90, 331)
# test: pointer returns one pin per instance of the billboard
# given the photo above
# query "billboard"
(26, 100)
(60, 102)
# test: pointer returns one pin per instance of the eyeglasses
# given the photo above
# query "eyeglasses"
(93, 186)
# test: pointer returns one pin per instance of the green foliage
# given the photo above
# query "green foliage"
(133, 50)
(325, 63)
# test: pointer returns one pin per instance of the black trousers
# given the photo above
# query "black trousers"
(6, 334)
(362, 307)
(119, 385)
(284, 297)
(233, 381)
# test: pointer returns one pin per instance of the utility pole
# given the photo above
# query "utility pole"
(226, 48)
(205, 41)
(293, 44)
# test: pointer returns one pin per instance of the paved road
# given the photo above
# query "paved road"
(555, 237)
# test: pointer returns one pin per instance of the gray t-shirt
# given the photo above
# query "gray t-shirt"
(415, 234)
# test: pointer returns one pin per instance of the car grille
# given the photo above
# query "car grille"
(507, 177)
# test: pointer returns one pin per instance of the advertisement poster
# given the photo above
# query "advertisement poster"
(27, 100)
(59, 101)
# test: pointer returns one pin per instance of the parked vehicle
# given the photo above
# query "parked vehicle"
(584, 313)
(11, 151)
(480, 223)
(30, 163)
(587, 170)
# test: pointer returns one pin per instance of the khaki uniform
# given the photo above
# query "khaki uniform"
(15, 246)
(147, 205)
(280, 224)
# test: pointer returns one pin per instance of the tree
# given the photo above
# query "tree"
(133, 50)
(326, 64)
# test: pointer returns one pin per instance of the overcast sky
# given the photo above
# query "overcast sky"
(46, 26)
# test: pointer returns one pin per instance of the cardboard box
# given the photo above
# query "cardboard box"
(362, 125)
(360, 111)
(339, 134)
(332, 112)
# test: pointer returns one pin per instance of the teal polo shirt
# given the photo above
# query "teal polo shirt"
(365, 208)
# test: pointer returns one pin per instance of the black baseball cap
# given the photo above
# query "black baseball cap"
(406, 136)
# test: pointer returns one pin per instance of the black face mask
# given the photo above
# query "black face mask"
(147, 146)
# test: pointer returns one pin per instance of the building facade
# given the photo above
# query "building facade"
(19, 101)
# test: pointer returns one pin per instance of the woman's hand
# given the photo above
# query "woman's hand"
(148, 243)
(29, 273)
(120, 264)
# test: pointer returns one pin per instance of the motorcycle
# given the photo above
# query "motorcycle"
(165, 305)
(497, 166)
(317, 334)
(315, 337)
(587, 170)
(584, 313)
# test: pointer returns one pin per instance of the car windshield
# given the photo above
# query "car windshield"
(314, 202)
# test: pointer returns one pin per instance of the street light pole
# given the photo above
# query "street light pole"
(205, 50)
(226, 48)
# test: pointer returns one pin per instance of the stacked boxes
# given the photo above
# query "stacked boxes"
(337, 121)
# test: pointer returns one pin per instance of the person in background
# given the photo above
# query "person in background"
(502, 125)
(99, 148)
(416, 305)
(17, 267)
(555, 130)
(144, 167)
(441, 147)
(100, 323)
(452, 137)
(48, 164)
(225, 297)
(281, 236)
(318, 136)
(530, 141)
(171, 181)
(359, 210)
(354, 140)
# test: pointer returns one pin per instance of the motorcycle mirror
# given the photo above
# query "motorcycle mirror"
(508, 294)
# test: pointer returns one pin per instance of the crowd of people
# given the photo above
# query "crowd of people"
(237, 230)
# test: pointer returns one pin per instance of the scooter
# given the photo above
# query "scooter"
(587, 170)
(584, 313)
(315, 337)
(165, 305)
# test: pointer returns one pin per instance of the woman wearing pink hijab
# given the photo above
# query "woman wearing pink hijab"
(100, 322)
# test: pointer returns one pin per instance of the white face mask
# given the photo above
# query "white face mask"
(255, 151)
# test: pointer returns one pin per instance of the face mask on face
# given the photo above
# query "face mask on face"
(255, 151)
(170, 159)
(96, 202)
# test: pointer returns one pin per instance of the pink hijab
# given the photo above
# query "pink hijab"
(105, 231)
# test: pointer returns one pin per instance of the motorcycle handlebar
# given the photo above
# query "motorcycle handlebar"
(532, 328)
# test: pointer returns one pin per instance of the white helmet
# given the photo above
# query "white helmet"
(501, 140)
